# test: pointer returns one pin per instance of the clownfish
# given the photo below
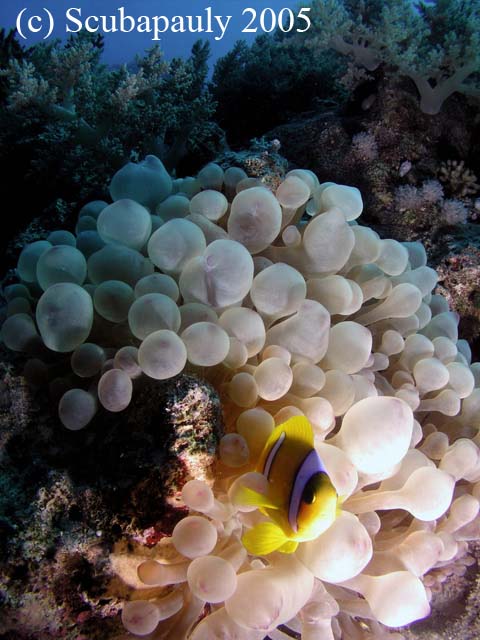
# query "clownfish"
(301, 501)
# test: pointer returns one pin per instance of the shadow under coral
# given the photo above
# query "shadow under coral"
(65, 497)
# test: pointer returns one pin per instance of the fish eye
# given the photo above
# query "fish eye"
(308, 496)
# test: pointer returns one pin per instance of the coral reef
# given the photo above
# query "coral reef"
(157, 330)
(259, 87)
(427, 207)
(262, 161)
(459, 282)
(365, 146)
(61, 96)
(434, 45)
(66, 498)
(288, 306)
(458, 179)
(67, 84)
(392, 149)
(402, 163)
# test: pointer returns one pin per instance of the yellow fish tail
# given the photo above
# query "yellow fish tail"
(264, 538)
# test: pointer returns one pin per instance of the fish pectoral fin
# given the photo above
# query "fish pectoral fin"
(264, 538)
(251, 498)
(288, 547)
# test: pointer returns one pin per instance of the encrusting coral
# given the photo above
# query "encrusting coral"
(459, 282)
(288, 306)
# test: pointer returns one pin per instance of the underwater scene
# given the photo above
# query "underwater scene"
(240, 320)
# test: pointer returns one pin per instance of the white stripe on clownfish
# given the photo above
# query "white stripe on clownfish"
(272, 454)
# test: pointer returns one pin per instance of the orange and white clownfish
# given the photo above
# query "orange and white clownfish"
(301, 501)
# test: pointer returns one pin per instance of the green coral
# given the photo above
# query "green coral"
(10, 49)
(347, 26)
(437, 45)
(67, 85)
(260, 86)
(57, 108)
(439, 49)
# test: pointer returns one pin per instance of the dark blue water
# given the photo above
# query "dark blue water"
(122, 47)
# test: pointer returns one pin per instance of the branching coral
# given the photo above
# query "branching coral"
(259, 87)
(85, 92)
(347, 28)
(458, 179)
(335, 324)
(62, 96)
(436, 45)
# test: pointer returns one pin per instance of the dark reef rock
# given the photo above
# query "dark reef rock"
(407, 147)
(459, 282)
(263, 160)
(66, 497)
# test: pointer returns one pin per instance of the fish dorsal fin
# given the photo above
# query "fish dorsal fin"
(295, 428)
(264, 538)
(251, 498)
